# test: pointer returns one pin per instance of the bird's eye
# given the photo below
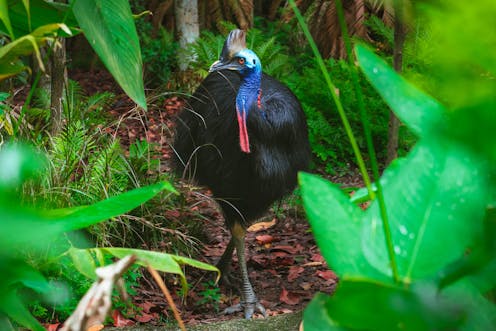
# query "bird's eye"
(241, 60)
(254, 61)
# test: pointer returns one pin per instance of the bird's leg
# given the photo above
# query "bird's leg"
(224, 263)
(249, 303)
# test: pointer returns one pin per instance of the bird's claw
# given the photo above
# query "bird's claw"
(248, 307)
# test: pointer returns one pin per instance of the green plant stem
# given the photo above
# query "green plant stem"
(332, 89)
(370, 144)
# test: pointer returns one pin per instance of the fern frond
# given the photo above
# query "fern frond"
(99, 101)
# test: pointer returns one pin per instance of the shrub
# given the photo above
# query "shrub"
(326, 134)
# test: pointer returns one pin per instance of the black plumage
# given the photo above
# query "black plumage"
(245, 184)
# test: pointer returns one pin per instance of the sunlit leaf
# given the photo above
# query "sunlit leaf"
(83, 261)
(160, 261)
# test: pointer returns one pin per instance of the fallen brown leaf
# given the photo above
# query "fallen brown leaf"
(52, 327)
(96, 327)
(326, 274)
(264, 239)
(286, 248)
(120, 320)
(289, 298)
(317, 258)
(145, 318)
(312, 264)
(305, 285)
(294, 273)
(261, 226)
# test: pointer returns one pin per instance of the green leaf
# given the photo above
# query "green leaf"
(83, 261)
(82, 217)
(432, 192)
(11, 69)
(160, 261)
(5, 323)
(28, 12)
(15, 271)
(316, 315)
(481, 313)
(5, 19)
(30, 226)
(23, 46)
(109, 27)
(15, 309)
(39, 13)
(474, 126)
(420, 112)
(19, 163)
(337, 227)
(365, 305)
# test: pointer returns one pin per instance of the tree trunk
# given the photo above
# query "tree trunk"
(399, 41)
(187, 26)
(58, 81)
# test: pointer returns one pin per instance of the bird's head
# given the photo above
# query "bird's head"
(245, 61)
(235, 56)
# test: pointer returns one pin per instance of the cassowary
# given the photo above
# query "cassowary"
(243, 134)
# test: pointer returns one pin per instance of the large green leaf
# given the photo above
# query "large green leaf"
(420, 112)
(481, 313)
(25, 45)
(33, 225)
(109, 27)
(435, 190)
(83, 217)
(27, 16)
(316, 316)
(365, 305)
(160, 261)
(15, 309)
(5, 18)
(337, 227)
(474, 126)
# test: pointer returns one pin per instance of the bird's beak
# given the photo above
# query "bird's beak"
(219, 65)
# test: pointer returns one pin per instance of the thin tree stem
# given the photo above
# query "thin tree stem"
(337, 101)
(370, 144)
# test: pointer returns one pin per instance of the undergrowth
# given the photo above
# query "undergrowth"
(86, 164)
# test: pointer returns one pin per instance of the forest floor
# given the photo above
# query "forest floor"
(285, 265)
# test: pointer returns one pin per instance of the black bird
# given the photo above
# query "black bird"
(244, 135)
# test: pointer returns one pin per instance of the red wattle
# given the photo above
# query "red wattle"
(244, 142)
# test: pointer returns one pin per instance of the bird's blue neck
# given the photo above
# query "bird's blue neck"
(249, 91)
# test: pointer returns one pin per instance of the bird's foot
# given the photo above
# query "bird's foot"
(248, 308)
